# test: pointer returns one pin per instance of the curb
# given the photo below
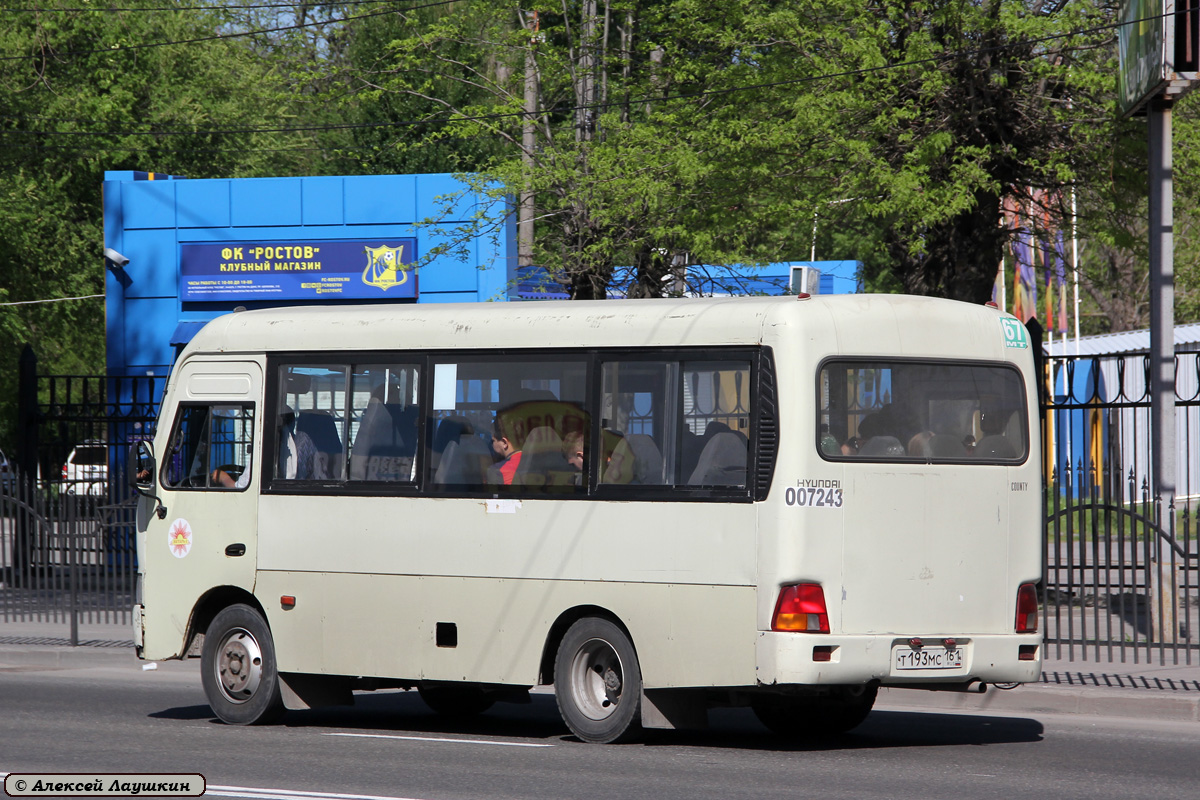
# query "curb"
(52, 656)
(1036, 698)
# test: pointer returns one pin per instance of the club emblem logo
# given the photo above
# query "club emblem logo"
(384, 268)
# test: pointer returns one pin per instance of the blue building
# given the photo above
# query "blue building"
(826, 277)
(181, 252)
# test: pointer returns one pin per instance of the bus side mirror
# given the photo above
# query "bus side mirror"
(141, 474)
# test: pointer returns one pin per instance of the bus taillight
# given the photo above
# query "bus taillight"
(801, 608)
(1027, 609)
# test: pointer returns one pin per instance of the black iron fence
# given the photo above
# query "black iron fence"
(1122, 564)
(67, 554)
(67, 518)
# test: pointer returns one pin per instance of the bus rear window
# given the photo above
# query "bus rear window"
(922, 411)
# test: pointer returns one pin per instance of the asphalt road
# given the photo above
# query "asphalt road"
(123, 719)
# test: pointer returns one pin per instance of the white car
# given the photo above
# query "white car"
(86, 469)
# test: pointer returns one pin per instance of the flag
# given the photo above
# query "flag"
(1024, 278)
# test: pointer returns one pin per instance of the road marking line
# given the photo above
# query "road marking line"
(280, 794)
(436, 739)
(290, 794)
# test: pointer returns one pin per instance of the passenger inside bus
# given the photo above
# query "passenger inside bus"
(507, 446)
(321, 428)
(296, 449)
(576, 455)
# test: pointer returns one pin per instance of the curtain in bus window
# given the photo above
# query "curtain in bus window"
(924, 411)
(509, 425)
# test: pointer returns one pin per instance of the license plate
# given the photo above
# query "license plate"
(928, 658)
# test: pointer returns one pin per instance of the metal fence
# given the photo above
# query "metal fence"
(1121, 566)
(67, 520)
(67, 554)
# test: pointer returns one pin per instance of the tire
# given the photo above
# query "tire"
(238, 668)
(456, 701)
(841, 710)
(598, 683)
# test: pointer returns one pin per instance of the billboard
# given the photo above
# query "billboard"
(1157, 41)
(337, 269)
(1141, 45)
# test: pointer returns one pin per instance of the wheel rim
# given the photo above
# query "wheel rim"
(597, 679)
(239, 665)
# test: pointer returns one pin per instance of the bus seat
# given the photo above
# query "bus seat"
(464, 462)
(380, 447)
(693, 445)
(648, 461)
(448, 431)
(541, 454)
(944, 445)
(995, 446)
(323, 431)
(621, 464)
(882, 446)
(995, 423)
(722, 463)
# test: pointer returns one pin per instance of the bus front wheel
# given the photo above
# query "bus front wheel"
(598, 683)
(841, 710)
(238, 670)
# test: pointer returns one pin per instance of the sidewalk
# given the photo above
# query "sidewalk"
(1086, 686)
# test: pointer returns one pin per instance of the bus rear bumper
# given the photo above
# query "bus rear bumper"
(821, 659)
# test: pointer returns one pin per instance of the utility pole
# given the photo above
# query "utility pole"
(528, 144)
(1164, 627)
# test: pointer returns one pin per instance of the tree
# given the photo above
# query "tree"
(624, 120)
(86, 91)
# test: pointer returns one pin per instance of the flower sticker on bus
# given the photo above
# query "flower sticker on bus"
(179, 538)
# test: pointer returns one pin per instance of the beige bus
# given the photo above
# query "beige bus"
(656, 506)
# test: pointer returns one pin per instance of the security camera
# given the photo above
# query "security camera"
(115, 258)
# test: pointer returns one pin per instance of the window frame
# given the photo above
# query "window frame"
(759, 358)
(180, 409)
(586, 357)
(346, 359)
(726, 353)
(907, 459)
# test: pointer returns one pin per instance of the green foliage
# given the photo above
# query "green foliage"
(659, 135)
(81, 95)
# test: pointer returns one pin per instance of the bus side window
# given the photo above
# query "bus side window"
(676, 423)
(210, 448)
(501, 423)
(384, 398)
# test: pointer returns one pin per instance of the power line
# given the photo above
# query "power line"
(221, 36)
(198, 8)
(54, 300)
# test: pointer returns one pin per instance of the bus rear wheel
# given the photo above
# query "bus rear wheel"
(238, 669)
(598, 683)
(842, 709)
